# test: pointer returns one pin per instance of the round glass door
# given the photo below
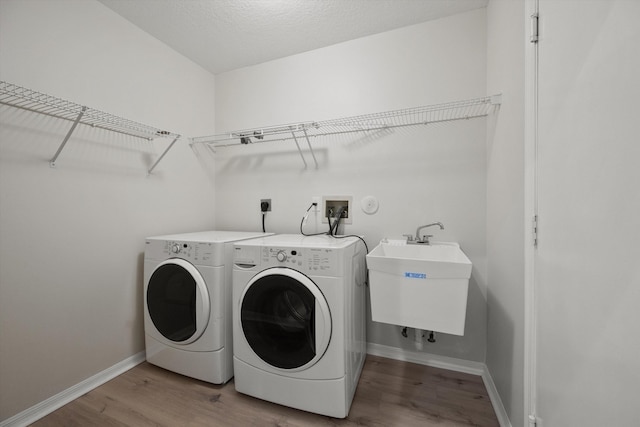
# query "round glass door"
(178, 301)
(285, 319)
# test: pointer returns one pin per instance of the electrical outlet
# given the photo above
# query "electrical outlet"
(265, 205)
(316, 200)
(331, 204)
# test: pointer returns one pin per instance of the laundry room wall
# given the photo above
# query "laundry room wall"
(419, 174)
(72, 237)
(506, 25)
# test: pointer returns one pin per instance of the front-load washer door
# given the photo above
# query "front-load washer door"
(178, 301)
(285, 319)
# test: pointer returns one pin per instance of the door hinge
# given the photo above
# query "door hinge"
(534, 230)
(534, 28)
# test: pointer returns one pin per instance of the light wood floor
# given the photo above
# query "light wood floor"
(390, 393)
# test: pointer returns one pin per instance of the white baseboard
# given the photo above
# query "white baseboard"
(46, 407)
(501, 413)
(450, 363)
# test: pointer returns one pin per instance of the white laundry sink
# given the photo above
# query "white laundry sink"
(419, 286)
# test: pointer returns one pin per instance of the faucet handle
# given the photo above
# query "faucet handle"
(425, 238)
(409, 237)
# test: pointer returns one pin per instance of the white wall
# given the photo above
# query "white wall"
(505, 205)
(72, 238)
(587, 273)
(419, 175)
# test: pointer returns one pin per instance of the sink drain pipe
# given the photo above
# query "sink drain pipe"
(417, 338)
(418, 334)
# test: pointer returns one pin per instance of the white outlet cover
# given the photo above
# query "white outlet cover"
(369, 205)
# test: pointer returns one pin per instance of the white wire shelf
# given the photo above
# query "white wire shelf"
(458, 110)
(41, 103)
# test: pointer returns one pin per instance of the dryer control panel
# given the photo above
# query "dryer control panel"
(312, 261)
(195, 252)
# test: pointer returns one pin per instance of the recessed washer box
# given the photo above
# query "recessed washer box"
(330, 205)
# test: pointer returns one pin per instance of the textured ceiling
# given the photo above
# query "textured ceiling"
(223, 35)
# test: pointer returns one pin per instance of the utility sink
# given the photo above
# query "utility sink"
(419, 286)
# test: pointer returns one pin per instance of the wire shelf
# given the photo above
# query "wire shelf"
(41, 103)
(458, 110)
(439, 113)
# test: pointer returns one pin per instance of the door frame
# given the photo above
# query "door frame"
(530, 213)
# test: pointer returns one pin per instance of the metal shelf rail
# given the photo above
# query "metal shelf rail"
(458, 110)
(30, 100)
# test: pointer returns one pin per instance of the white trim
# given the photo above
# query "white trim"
(434, 360)
(498, 407)
(530, 210)
(46, 407)
(450, 363)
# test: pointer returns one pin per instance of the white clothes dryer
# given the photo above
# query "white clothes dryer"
(187, 303)
(299, 320)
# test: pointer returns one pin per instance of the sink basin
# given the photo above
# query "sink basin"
(419, 286)
(439, 260)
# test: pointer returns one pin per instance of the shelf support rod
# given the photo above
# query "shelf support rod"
(162, 155)
(310, 148)
(52, 162)
(299, 150)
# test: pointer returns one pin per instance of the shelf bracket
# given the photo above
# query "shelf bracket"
(310, 148)
(162, 155)
(299, 150)
(52, 162)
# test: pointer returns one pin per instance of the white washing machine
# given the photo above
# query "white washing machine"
(299, 320)
(187, 303)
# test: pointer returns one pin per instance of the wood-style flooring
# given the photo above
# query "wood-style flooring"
(390, 393)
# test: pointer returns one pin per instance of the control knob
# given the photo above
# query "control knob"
(175, 248)
(281, 256)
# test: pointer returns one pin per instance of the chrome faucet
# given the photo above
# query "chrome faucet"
(424, 239)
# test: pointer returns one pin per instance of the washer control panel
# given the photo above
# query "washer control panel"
(312, 261)
(309, 260)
